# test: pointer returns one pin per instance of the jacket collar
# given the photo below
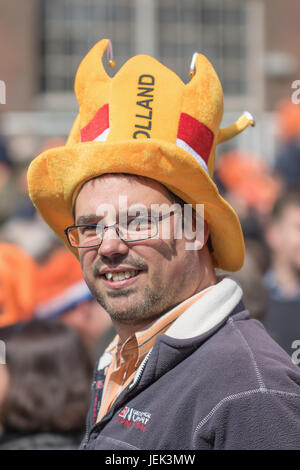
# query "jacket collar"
(193, 328)
(208, 311)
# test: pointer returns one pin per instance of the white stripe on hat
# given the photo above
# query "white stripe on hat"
(102, 137)
(187, 148)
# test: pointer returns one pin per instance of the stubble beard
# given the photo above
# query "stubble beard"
(154, 302)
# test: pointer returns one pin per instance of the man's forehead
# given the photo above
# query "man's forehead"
(110, 178)
(120, 184)
(120, 189)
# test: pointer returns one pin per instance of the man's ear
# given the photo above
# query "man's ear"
(201, 231)
(202, 241)
(206, 232)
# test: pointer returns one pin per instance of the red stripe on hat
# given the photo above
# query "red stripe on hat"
(97, 125)
(196, 135)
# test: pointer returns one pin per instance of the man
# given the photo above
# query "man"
(283, 278)
(18, 279)
(188, 368)
(283, 238)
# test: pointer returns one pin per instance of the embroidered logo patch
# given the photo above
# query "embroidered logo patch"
(133, 418)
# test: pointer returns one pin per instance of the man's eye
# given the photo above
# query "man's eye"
(88, 228)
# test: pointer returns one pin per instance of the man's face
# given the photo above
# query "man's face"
(163, 272)
(284, 236)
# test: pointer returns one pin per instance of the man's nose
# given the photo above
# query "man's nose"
(111, 244)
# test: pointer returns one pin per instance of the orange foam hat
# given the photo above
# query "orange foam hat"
(143, 121)
(18, 277)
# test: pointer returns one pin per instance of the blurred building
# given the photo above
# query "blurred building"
(19, 52)
(282, 51)
(43, 42)
(171, 30)
(252, 44)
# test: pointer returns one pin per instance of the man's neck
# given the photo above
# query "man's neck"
(126, 331)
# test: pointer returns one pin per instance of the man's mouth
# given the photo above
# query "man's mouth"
(120, 276)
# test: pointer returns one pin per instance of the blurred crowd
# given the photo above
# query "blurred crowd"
(54, 330)
(267, 201)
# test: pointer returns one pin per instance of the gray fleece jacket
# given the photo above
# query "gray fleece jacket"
(214, 380)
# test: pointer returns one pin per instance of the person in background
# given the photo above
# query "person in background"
(246, 183)
(287, 161)
(283, 238)
(248, 186)
(282, 279)
(63, 294)
(255, 293)
(48, 395)
(18, 281)
(18, 278)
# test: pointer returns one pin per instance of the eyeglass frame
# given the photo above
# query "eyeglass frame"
(157, 219)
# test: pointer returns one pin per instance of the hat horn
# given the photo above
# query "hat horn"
(92, 81)
(245, 120)
(203, 95)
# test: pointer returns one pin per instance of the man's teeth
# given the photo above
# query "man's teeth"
(120, 276)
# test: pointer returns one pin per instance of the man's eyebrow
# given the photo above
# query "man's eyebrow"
(94, 219)
(88, 219)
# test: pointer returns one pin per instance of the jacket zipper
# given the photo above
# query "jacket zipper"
(137, 378)
(139, 372)
(86, 434)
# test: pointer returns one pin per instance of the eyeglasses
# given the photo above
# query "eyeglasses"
(131, 229)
